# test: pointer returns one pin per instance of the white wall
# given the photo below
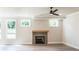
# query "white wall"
(55, 34)
(71, 30)
(40, 24)
(24, 35)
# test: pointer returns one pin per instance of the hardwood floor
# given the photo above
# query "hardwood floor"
(52, 47)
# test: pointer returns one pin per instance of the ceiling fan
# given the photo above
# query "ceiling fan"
(53, 12)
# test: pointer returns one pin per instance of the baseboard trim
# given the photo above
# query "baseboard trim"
(71, 45)
(55, 42)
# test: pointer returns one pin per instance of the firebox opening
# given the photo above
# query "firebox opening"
(40, 40)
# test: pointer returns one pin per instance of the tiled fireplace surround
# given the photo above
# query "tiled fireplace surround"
(40, 37)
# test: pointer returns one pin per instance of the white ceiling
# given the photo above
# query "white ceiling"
(35, 11)
(22, 11)
(63, 11)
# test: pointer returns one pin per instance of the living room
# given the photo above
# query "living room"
(37, 27)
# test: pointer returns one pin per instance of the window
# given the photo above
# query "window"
(53, 23)
(11, 29)
(25, 23)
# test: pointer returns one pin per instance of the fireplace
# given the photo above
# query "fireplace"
(39, 37)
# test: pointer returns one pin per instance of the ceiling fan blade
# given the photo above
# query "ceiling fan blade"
(55, 10)
(55, 14)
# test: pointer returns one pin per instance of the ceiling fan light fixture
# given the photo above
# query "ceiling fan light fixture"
(50, 14)
(60, 14)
